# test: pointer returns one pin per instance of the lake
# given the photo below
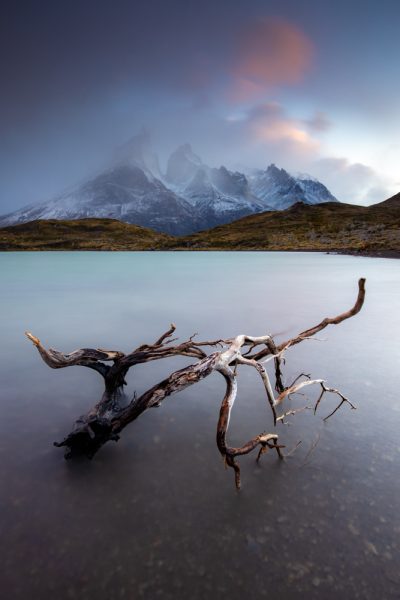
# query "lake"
(156, 515)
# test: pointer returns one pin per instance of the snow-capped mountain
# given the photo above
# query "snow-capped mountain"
(189, 197)
(279, 190)
(124, 193)
(131, 190)
(217, 195)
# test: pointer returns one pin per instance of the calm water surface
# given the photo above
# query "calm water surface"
(157, 515)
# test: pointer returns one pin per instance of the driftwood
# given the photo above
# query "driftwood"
(111, 415)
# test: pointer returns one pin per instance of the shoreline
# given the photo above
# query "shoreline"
(394, 254)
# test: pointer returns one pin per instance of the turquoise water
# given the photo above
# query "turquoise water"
(156, 515)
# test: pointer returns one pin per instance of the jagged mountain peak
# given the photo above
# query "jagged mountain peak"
(231, 182)
(182, 165)
(277, 173)
(187, 151)
(139, 151)
(280, 190)
(272, 168)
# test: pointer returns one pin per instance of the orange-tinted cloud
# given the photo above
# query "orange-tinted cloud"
(270, 123)
(270, 52)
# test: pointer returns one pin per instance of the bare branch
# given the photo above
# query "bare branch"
(176, 382)
(324, 323)
(294, 411)
(166, 335)
(295, 388)
(307, 375)
(107, 418)
(343, 400)
(85, 357)
(229, 453)
(264, 376)
(334, 320)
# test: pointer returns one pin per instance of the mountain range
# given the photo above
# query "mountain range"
(326, 227)
(189, 197)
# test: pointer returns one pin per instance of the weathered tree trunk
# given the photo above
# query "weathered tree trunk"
(111, 415)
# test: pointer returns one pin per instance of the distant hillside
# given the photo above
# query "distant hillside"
(390, 203)
(330, 226)
(83, 234)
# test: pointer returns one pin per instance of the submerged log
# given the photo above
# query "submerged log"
(106, 420)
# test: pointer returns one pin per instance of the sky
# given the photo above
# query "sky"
(313, 86)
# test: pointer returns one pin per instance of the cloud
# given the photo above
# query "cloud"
(318, 122)
(270, 124)
(377, 194)
(354, 183)
(270, 52)
(268, 133)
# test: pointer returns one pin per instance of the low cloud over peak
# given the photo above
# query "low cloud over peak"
(355, 183)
